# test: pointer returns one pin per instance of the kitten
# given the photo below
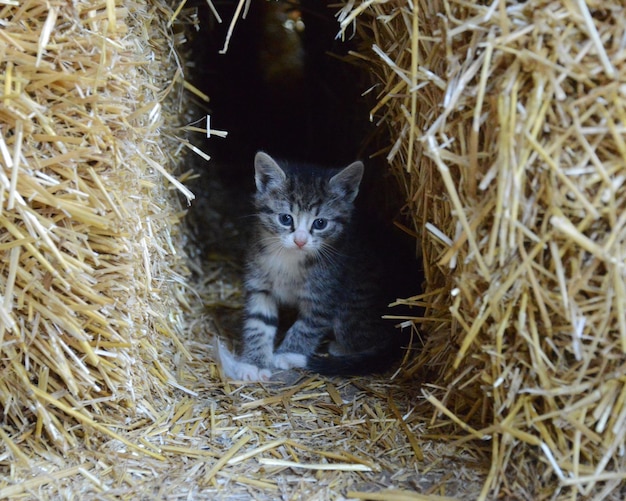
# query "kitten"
(307, 254)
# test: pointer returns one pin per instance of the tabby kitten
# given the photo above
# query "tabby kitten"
(307, 255)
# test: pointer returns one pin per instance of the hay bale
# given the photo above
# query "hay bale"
(507, 133)
(92, 270)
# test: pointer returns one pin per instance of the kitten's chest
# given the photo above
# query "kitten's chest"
(287, 273)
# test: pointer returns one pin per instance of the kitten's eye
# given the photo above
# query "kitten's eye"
(285, 219)
(320, 224)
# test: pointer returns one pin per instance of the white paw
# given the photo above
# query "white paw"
(236, 369)
(288, 360)
(249, 372)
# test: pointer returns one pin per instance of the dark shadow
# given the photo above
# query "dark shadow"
(284, 87)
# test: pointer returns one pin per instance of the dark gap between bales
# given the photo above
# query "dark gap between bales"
(284, 86)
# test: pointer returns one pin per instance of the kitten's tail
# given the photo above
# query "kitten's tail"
(376, 360)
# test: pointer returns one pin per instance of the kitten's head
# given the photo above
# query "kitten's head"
(305, 208)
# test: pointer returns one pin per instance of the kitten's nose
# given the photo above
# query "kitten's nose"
(300, 239)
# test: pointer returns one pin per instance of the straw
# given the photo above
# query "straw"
(514, 168)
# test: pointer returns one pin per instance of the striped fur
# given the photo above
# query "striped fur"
(306, 255)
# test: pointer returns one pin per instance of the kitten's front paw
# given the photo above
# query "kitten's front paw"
(288, 360)
(249, 372)
(237, 369)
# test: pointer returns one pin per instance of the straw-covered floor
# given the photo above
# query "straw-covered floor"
(507, 133)
(507, 127)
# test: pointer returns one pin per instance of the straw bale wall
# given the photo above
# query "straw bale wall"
(91, 269)
(507, 127)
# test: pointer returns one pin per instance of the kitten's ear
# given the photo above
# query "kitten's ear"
(267, 173)
(346, 182)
